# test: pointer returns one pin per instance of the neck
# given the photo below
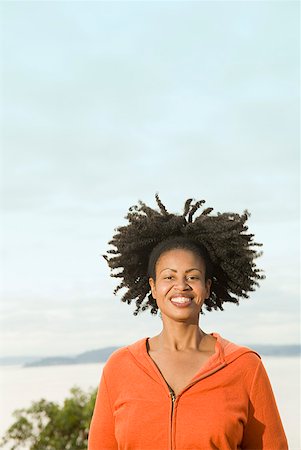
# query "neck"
(179, 336)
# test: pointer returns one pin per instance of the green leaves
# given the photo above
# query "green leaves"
(49, 426)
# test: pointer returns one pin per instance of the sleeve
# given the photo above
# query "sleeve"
(101, 433)
(264, 430)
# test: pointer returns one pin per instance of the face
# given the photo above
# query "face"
(180, 287)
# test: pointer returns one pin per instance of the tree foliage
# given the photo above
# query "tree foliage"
(47, 425)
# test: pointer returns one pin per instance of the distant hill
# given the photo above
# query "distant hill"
(102, 354)
(16, 360)
(276, 350)
(92, 356)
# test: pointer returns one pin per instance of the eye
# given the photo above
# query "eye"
(169, 277)
(193, 277)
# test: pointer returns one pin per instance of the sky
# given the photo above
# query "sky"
(107, 103)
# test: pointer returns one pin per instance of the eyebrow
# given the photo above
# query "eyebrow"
(186, 271)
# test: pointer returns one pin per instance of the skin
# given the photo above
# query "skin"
(182, 348)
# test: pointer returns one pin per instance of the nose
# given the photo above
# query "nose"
(182, 285)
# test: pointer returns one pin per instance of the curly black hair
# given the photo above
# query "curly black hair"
(223, 237)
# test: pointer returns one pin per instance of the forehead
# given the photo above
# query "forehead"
(178, 257)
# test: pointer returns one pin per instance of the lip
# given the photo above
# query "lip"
(182, 304)
(180, 295)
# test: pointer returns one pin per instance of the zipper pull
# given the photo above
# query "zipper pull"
(172, 395)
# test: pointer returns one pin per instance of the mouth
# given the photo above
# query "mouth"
(181, 302)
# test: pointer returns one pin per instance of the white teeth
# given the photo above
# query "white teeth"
(181, 299)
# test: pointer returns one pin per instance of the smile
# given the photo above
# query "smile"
(181, 301)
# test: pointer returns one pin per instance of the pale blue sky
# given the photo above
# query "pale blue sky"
(106, 103)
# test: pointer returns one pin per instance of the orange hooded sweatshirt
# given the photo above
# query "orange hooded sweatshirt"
(228, 405)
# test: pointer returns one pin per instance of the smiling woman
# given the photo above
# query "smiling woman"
(180, 281)
(197, 390)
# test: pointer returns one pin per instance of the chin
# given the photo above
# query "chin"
(182, 316)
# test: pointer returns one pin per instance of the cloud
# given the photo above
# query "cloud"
(104, 106)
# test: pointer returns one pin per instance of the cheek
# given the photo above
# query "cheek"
(203, 292)
(160, 290)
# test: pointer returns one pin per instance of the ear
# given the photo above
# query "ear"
(153, 287)
(208, 286)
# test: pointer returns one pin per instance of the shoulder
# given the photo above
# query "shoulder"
(231, 351)
(248, 361)
(240, 357)
(117, 356)
(123, 356)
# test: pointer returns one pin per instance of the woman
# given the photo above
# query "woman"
(184, 389)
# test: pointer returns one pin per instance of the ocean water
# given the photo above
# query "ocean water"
(20, 386)
(284, 375)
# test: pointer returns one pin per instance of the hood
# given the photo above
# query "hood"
(225, 353)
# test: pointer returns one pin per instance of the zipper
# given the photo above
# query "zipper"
(173, 396)
(173, 399)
